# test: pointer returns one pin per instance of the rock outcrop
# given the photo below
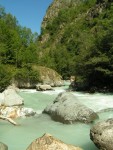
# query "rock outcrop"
(49, 76)
(102, 135)
(54, 9)
(48, 142)
(46, 75)
(67, 109)
(3, 146)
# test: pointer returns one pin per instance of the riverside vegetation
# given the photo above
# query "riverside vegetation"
(17, 50)
(76, 39)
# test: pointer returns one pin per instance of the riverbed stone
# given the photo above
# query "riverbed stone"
(48, 142)
(44, 87)
(3, 146)
(67, 109)
(16, 111)
(102, 134)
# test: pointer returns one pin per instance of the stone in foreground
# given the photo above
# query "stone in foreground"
(67, 109)
(48, 142)
(3, 146)
(102, 134)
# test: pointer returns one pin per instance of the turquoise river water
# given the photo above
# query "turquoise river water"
(19, 137)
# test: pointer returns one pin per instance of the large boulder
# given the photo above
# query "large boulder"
(44, 87)
(67, 109)
(3, 146)
(102, 134)
(10, 97)
(48, 142)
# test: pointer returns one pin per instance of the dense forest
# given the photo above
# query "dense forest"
(18, 50)
(77, 41)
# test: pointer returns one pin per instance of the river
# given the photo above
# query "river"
(19, 137)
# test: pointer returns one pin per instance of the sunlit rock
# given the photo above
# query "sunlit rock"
(3, 146)
(11, 97)
(16, 111)
(48, 142)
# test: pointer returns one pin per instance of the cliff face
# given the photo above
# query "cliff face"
(54, 9)
(53, 12)
(73, 39)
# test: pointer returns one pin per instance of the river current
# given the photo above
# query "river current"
(19, 137)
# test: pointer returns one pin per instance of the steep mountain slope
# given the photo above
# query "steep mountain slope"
(76, 39)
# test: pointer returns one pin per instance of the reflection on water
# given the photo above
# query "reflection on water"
(19, 137)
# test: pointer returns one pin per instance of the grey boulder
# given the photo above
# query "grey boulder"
(67, 109)
(102, 134)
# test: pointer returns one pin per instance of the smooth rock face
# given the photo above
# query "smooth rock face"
(67, 109)
(11, 98)
(48, 142)
(3, 146)
(102, 135)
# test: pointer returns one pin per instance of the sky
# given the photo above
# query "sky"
(29, 13)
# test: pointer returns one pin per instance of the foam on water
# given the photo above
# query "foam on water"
(29, 90)
(97, 101)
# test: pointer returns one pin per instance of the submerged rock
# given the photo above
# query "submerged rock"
(67, 109)
(48, 142)
(3, 146)
(102, 134)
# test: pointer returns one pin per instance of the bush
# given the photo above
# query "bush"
(5, 77)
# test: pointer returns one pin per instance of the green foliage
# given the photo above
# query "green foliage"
(5, 77)
(27, 75)
(80, 43)
(18, 49)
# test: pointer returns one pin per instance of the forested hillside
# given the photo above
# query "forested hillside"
(77, 39)
(18, 50)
